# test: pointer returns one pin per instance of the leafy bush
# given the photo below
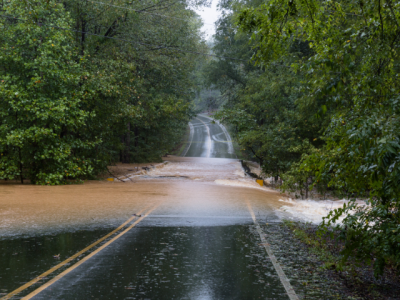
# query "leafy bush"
(41, 95)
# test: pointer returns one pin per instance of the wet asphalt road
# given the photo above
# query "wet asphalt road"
(209, 139)
(173, 263)
(199, 251)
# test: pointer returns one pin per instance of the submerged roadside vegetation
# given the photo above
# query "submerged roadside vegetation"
(85, 84)
(318, 108)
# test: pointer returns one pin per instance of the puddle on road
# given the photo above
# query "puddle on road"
(222, 262)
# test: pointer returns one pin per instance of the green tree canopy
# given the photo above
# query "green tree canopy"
(352, 71)
(42, 91)
(85, 84)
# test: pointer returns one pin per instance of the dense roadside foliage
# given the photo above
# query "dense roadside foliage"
(321, 110)
(261, 103)
(84, 84)
(41, 100)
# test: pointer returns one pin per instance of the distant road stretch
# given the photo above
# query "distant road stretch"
(208, 139)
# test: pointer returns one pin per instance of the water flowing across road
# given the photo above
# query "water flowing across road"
(189, 231)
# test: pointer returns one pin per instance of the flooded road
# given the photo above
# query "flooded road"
(188, 232)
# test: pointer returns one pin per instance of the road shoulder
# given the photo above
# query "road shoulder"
(311, 272)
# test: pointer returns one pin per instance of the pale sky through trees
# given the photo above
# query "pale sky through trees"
(209, 16)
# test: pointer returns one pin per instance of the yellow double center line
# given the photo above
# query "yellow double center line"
(62, 274)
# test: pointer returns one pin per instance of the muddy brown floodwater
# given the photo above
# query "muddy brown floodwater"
(183, 187)
(188, 228)
(201, 208)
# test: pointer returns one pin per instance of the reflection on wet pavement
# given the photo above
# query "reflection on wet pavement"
(23, 259)
(175, 263)
(209, 138)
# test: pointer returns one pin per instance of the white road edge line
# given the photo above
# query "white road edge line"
(285, 281)
(191, 139)
(228, 137)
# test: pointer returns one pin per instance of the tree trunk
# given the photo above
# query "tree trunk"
(306, 192)
(121, 152)
(20, 166)
(306, 186)
(83, 37)
(128, 144)
(136, 137)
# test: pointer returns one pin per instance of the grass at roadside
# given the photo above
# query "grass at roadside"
(316, 245)
(358, 278)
